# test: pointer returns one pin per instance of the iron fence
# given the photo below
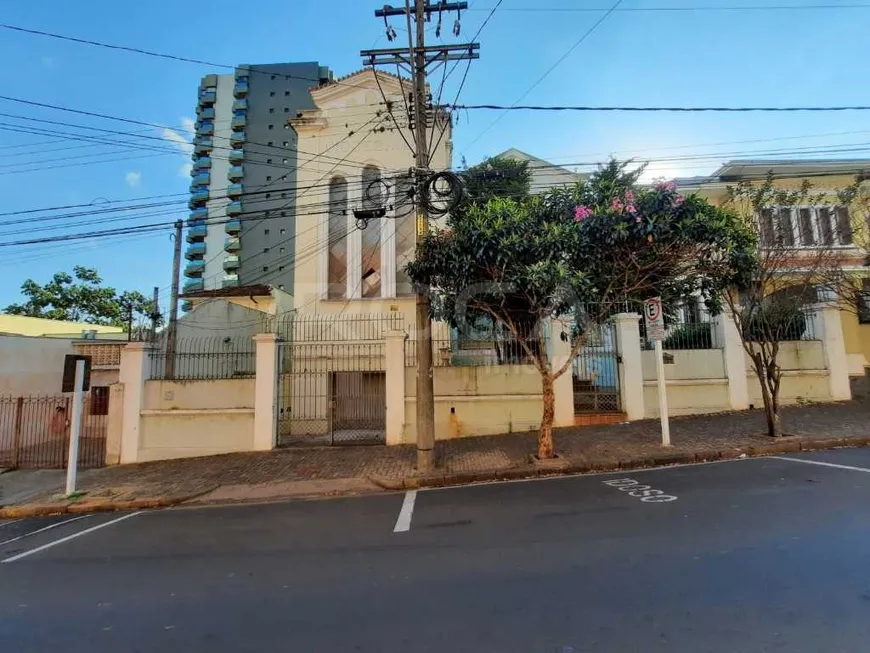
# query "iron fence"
(788, 325)
(456, 352)
(340, 327)
(35, 431)
(200, 359)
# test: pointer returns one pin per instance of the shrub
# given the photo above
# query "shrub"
(690, 336)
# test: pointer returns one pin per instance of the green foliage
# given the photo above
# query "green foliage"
(690, 336)
(521, 260)
(79, 297)
(496, 177)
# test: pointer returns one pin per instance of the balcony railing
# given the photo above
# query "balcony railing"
(194, 269)
(193, 285)
(237, 139)
(198, 198)
(234, 208)
(202, 163)
(232, 245)
(196, 233)
(206, 127)
(239, 122)
(197, 214)
(241, 88)
(230, 280)
(231, 263)
(240, 104)
(195, 251)
(205, 113)
(235, 190)
(207, 97)
(233, 226)
(235, 173)
(236, 156)
(201, 179)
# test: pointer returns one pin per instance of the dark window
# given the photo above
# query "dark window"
(267, 215)
(265, 268)
(767, 229)
(271, 93)
(286, 110)
(265, 250)
(283, 215)
(826, 234)
(268, 195)
(286, 93)
(844, 225)
(268, 177)
(266, 231)
(286, 144)
(273, 78)
(283, 231)
(100, 400)
(805, 220)
(271, 126)
(269, 143)
(271, 110)
(283, 194)
(786, 228)
(268, 160)
(280, 268)
(283, 160)
(280, 250)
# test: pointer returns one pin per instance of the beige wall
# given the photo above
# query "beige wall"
(798, 355)
(797, 386)
(688, 397)
(184, 434)
(688, 364)
(857, 340)
(181, 419)
(199, 395)
(37, 326)
(32, 365)
(478, 401)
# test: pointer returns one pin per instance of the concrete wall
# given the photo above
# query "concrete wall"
(37, 326)
(798, 355)
(478, 401)
(182, 419)
(857, 339)
(688, 364)
(31, 366)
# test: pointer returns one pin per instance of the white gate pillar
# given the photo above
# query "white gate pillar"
(631, 369)
(266, 392)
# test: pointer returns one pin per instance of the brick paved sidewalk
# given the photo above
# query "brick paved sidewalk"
(250, 475)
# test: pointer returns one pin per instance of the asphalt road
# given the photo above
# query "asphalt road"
(763, 554)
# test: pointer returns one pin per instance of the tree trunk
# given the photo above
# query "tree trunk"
(545, 435)
(771, 408)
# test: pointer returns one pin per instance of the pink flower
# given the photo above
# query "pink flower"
(631, 208)
(616, 205)
(629, 197)
(663, 185)
(637, 219)
(678, 200)
(581, 213)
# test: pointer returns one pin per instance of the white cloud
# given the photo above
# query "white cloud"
(182, 140)
(133, 179)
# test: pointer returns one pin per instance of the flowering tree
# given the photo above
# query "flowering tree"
(574, 254)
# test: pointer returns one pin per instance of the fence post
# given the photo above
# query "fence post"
(114, 424)
(395, 382)
(266, 392)
(631, 369)
(563, 387)
(834, 347)
(16, 434)
(135, 369)
(726, 336)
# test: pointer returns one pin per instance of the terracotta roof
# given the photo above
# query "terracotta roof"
(254, 290)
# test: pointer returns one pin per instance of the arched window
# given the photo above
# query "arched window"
(406, 233)
(372, 197)
(337, 239)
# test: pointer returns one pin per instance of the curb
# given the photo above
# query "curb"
(573, 467)
(83, 507)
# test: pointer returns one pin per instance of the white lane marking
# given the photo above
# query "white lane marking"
(403, 523)
(819, 462)
(40, 530)
(10, 522)
(643, 492)
(68, 538)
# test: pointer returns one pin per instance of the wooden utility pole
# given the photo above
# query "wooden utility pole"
(155, 313)
(171, 330)
(417, 58)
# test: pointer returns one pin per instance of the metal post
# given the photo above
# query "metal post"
(172, 329)
(155, 312)
(16, 434)
(663, 395)
(75, 428)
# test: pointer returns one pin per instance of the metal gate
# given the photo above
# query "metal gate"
(595, 373)
(332, 393)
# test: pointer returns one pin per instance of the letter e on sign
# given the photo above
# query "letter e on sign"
(654, 319)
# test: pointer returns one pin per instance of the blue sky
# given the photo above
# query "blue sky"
(740, 57)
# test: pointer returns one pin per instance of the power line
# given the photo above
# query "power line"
(684, 9)
(501, 107)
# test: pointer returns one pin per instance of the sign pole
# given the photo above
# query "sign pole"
(654, 320)
(663, 395)
(75, 428)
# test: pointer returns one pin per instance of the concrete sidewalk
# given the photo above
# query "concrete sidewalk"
(323, 471)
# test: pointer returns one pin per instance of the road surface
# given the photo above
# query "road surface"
(765, 554)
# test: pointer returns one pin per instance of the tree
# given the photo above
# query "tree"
(575, 255)
(80, 297)
(496, 177)
(798, 261)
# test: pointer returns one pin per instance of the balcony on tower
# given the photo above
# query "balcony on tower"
(235, 173)
(197, 233)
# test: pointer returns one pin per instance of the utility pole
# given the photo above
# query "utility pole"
(416, 59)
(155, 312)
(173, 304)
(129, 321)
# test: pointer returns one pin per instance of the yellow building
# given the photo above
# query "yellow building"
(20, 325)
(825, 224)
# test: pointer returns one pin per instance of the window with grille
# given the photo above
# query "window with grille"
(806, 226)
